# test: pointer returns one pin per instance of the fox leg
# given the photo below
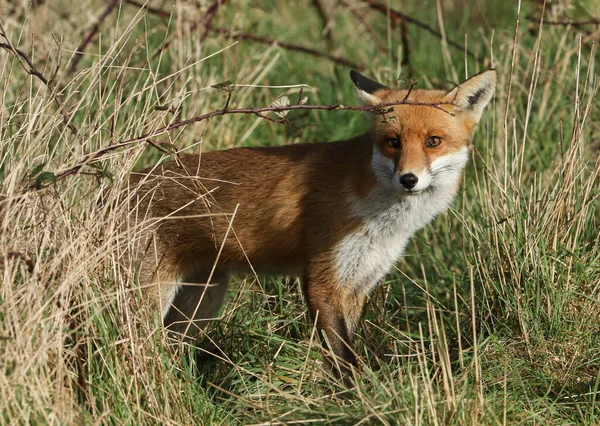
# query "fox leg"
(337, 314)
(182, 291)
(196, 302)
(160, 279)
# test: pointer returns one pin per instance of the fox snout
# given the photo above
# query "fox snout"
(412, 181)
(409, 180)
(443, 171)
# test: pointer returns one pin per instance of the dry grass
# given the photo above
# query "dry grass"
(493, 316)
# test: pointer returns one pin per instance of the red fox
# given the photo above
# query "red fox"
(337, 215)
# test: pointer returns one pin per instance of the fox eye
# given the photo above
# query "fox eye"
(394, 143)
(433, 141)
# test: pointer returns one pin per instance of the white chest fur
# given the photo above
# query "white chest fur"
(364, 257)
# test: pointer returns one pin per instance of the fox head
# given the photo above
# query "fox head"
(418, 147)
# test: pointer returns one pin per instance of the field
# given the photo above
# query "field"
(491, 317)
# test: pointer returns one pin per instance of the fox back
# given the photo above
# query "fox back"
(338, 215)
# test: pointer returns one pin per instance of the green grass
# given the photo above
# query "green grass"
(491, 317)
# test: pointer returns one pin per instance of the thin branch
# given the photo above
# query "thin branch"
(289, 46)
(566, 22)
(94, 156)
(398, 17)
(405, 44)
(360, 18)
(410, 89)
(209, 16)
(31, 69)
(58, 60)
(325, 19)
(81, 48)
(205, 22)
(153, 10)
(12, 255)
(594, 21)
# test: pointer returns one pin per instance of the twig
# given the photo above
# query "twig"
(208, 18)
(30, 69)
(405, 44)
(593, 21)
(205, 22)
(397, 18)
(153, 10)
(325, 19)
(360, 18)
(58, 60)
(409, 91)
(566, 22)
(256, 111)
(17, 255)
(289, 46)
(81, 48)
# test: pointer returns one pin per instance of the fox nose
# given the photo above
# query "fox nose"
(409, 180)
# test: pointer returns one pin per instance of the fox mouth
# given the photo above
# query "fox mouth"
(402, 191)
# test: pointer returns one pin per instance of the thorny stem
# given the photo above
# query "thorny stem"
(377, 109)
(288, 46)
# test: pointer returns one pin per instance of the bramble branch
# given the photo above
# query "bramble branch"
(260, 112)
(289, 46)
(31, 69)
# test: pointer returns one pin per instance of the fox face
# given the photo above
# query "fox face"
(418, 147)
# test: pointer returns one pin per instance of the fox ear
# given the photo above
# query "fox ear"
(366, 88)
(472, 95)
